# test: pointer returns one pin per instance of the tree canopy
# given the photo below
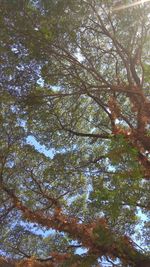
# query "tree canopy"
(75, 133)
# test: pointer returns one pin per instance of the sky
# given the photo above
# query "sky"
(41, 148)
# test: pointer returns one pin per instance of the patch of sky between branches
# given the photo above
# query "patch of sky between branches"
(41, 148)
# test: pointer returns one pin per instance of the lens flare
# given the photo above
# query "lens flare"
(130, 5)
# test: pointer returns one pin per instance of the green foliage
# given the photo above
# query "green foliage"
(67, 81)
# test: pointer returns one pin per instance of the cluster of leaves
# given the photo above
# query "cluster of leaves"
(74, 78)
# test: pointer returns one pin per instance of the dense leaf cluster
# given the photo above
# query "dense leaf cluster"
(75, 133)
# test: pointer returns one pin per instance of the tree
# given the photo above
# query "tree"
(75, 77)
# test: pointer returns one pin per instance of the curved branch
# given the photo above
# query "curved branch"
(84, 233)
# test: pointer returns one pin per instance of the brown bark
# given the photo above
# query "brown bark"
(86, 234)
